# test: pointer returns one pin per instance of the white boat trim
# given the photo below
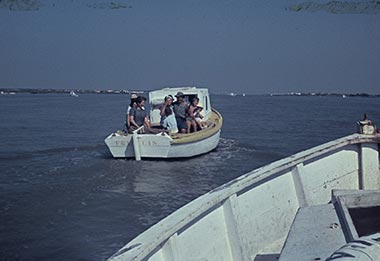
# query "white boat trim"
(232, 222)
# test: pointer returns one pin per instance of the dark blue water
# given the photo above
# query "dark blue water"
(62, 195)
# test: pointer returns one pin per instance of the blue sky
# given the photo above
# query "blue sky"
(254, 47)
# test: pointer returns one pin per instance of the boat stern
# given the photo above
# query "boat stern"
(120, 145)
(123, 145)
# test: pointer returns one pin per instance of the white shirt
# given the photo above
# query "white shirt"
(170, 123)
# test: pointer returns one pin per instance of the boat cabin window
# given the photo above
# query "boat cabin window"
(156, 106)
(189, 98)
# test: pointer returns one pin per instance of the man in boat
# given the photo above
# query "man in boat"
(130, 106)
(180, 111)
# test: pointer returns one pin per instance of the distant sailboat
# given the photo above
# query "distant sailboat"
(343, 96)
(72, 93)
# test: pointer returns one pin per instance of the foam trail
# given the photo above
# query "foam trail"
(339, 7)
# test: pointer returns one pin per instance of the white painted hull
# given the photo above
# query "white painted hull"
(252, 214)
(158, 146)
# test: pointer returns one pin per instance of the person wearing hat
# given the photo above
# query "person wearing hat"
(180, 108)
(127, 114)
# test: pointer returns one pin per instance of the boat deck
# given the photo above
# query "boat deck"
(315, 234)
(318, 231)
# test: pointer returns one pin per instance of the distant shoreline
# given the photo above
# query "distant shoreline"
(63, 91)
(5, 91)
(343, 95)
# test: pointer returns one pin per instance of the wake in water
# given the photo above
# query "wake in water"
(28, 154)
(339, 7)
(228, 148)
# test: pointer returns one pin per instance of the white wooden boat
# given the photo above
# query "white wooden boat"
(162, 145)
(282, 211)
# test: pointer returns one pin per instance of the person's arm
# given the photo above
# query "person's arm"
(147, 122)
(129, 120)
(199, 113)
(127, 124)
(132, 121)
(163, 107)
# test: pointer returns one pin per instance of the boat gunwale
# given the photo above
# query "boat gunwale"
(202, 134)
(147, 243)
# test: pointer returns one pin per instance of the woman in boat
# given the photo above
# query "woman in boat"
(170, 122)
(199, 118)
(180, 111)
(168, 103)
(139, 116)
(194, 115)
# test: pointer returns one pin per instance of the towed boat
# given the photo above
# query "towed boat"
(304, 207)
(164, 145)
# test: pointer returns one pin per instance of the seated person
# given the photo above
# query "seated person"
(169, 122)
(194, 115)
(139, 116)
(180, 108)
(168, 103)
(127, 114)
(199, 117)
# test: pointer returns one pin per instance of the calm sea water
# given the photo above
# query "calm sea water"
(63, 197)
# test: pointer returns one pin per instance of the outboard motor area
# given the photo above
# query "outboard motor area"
(366, 126)
(366, 248)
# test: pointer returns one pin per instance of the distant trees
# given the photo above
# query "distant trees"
(34, 5)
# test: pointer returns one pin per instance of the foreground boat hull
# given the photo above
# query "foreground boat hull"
(251, 215)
